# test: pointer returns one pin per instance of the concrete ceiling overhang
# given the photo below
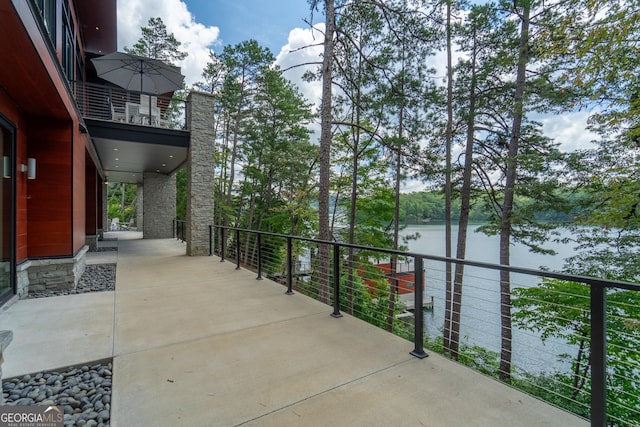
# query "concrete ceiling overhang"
(98, 21)
(127, 151)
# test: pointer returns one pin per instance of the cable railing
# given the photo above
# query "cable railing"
(118, 105)
(179, 229)
(573, 341)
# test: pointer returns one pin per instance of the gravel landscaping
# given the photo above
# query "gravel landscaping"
(83, 393)
(96, 278)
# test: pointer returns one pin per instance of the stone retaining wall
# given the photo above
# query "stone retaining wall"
(56, 274)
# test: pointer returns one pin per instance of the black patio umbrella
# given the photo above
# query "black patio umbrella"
(137, 73)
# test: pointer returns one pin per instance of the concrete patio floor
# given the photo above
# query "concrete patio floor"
(197, 343)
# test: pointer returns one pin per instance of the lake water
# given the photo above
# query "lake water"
(480, 319)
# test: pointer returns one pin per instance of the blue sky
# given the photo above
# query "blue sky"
(205, 25)
(267, 21)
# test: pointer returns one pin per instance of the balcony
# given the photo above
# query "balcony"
(196, 341)
(110, 103)
(133, 132)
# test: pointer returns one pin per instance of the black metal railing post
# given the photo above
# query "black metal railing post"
(223, 244)
(336, 282)
(289, 266)
(418, 315)
(259, 257)
(598, 297)
(237, 249)
(211, 240)
(598, 356)
(174, 228)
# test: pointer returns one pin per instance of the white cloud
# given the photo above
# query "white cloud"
(196, 38)
(304, 46)
(569, 130)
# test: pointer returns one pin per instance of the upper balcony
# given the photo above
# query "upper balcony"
(133, 132)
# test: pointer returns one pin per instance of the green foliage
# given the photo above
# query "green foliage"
(121, 201)
(561, 309)
(181, 194)
(371, 305)
(156, 43)
(425, 206)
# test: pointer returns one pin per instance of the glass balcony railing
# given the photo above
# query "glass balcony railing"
(114, 104)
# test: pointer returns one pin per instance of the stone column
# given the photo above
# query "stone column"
(105, 208)
(200, 163)
(140, 207)
(159, 205)
(5, 339)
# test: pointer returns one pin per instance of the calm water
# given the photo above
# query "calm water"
(480, 320)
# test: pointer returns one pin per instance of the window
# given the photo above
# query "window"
(68, 42)
(7, 197)
(47, 10)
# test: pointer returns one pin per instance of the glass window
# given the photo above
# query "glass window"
(68, 45)
(47, 10)
(7, 262)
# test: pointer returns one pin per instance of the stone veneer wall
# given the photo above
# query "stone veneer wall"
(159, 205)
(105, 206)
(91, 242)
(200, 169)
(22, 279)
(53, 274)
(139, 207)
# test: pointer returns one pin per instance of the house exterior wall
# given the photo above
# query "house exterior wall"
(50, 195)
(55, 210)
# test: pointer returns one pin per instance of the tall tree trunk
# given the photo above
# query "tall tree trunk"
(448, 320)
(393, 291)
(325, 154)
(465, 208)
(507, 207)
(353, 210)
(234, 153)
(355, 117)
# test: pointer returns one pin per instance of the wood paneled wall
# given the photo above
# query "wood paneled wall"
(49, 196)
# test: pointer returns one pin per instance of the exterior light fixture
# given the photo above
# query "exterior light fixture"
(6, 166)
(29, 168)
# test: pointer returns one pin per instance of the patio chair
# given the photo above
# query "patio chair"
(117, 116)
(149, 105)
(133, 113)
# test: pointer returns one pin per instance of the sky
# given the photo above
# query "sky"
(205, 25)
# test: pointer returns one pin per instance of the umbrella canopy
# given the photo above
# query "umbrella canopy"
(137, 73)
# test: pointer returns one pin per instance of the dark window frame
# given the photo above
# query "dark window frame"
(47, 10)
(11, 129)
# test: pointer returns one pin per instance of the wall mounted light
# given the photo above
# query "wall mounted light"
(29, 168)
(6, 167)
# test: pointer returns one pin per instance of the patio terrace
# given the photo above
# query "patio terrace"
(196, 342)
